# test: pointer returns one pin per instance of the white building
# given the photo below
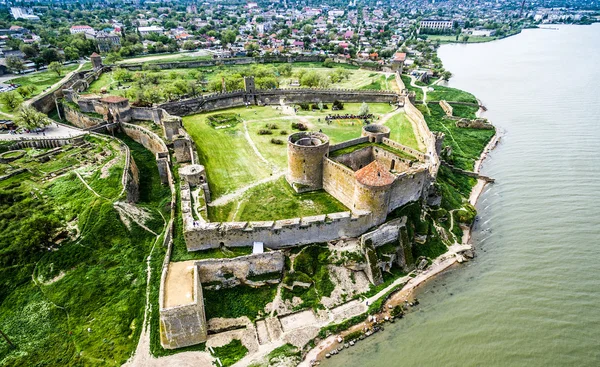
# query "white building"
(24, 13)
(436, 24)
(144, 31)
(82, 29)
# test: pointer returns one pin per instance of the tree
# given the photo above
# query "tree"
(50, 54)
(310, 79)
(189, 45)
(15, 64)
(112, 57)
(28, 50)
(10, 100)
(446, 75)
(228, 36)
(122, 75)
(56, 67)
(364, 109)
(26, 90)
(30, 118)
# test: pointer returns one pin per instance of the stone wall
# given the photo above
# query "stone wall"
(446, 107)
(46, 143)
(338, 180)
(147, 138)
(185, 325)
(310, 95)
(239, 98)
(415, 153)
(79, 119)
(384, 234)
(348, 143)
(408, 186)
(238, 270)
(275, 234)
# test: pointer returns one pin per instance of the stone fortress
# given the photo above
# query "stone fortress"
(371, 175)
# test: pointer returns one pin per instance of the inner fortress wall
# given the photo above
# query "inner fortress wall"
(357, 159)
(338, 180)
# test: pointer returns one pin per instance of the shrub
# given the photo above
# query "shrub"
(299, 126)
(304, 106)
(283, 132)
(277, 141)
(264, 132)
(337, 105)
(272, 126)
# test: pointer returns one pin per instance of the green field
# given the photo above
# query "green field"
(43, 79)
(73, 274)
(467, 144)
(450, 94)
(418, 91)
(452, 39)
(401, 131)
(230, 159)
(275, 200)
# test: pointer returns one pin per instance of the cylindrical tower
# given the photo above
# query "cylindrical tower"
(375, 132)
(372, 190)
(305, 160)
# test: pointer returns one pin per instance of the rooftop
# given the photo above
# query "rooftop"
(374, 174)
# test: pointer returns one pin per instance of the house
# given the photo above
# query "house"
(108, 41)
(437, 24)
(398, 61)
(82, 29)
(144, 31)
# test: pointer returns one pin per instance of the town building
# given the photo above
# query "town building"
(436, 24)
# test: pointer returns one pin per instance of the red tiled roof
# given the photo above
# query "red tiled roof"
(113, 99)
(399, 56)
(374, 174)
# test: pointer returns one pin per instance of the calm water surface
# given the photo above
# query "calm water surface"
(532, 296)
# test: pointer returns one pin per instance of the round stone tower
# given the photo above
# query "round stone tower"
(375, 132)
(372, 190)
(305, 160)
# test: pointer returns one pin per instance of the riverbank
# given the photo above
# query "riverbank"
(403, 297)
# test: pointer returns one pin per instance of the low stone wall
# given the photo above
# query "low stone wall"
(240, 98)
(348, 143)
(384, 234)
(309, 95)
(46, 143)
(415, 153)
(185, 325)
(79, 119)
(446, 107)
(238, 270)
(274, 234)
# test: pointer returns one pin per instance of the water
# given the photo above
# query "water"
(532, 296)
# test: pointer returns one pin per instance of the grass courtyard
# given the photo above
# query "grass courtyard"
(227, 151)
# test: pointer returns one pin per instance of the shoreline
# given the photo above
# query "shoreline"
(404, 295)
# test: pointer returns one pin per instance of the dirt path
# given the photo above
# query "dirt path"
(271, 166)
(424, 89)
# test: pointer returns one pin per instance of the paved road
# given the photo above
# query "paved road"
(52, 131)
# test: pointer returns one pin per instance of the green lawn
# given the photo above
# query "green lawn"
(44, 79)
(452, 39)
(229, 159)
(231, 162)
(275, 200)
(401, 131)
(418, 91)
(450, 94)
(467, 144)
(81, 303)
